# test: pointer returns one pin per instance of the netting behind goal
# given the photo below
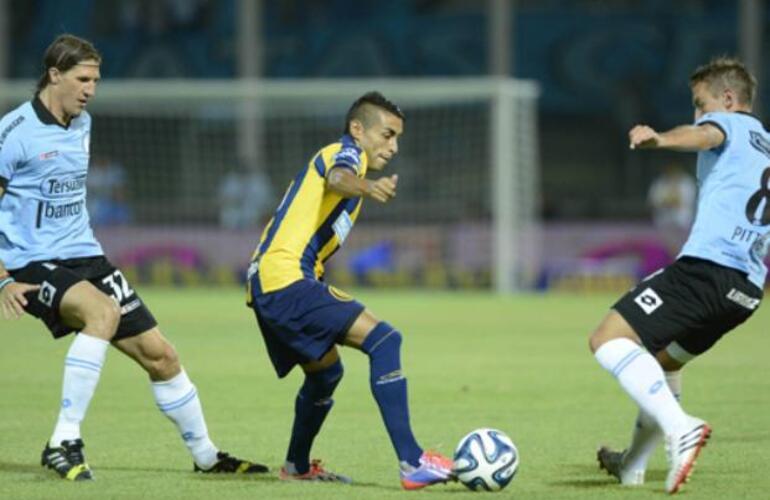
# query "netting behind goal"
(189, 172)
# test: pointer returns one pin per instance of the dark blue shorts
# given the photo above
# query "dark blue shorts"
(301, 322)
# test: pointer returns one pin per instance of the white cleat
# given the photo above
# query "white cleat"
(612, 462)
(682, 449)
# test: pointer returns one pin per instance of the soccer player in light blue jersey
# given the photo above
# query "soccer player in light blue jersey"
(52, 267)
(716, 284)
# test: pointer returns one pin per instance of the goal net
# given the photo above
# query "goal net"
(186, 173)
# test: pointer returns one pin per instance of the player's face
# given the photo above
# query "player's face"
(76, 86)
(704, 101)
(380, 140)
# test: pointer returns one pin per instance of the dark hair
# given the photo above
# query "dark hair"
(727, 73)
(64, 53)
(362, 109)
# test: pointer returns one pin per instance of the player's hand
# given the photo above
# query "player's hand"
(642, 136)
(383, 189)
(12, 299)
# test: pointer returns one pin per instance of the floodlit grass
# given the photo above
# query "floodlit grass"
(520, 364)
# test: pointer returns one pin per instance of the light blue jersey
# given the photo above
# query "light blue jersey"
(43, 168)
(733, 219)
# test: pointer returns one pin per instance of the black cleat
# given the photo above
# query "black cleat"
(227, 464)
(67, 460)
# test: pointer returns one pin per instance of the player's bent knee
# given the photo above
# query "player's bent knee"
(601, 336)
(101, 319)
(383, 335)
(383, 345)
(598, 338)
(674, 357)
(595, 341)
(165, 365)
(170, 361)
(614, 326)
(331, 376)
(319, 386)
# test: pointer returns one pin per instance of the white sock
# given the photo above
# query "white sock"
(82, 369)
(642, 378)
(178, 400)
(674, 381)
(647, 434)
(644, 440)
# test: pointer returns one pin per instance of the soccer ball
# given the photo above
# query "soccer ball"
(486, 460)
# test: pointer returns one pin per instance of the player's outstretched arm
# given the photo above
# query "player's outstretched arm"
(12, 300)
(682, 138)
(349, 185)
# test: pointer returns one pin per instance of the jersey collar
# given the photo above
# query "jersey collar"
(747, 113)
(347, 140)
(44, 115)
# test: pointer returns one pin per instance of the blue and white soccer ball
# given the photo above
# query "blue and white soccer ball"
(486, 460)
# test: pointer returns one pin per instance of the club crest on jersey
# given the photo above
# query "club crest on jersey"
(648, 300)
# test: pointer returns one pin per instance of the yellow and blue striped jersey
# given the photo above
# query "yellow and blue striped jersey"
(311, 222)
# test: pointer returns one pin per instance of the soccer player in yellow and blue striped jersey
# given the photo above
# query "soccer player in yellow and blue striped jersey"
(303, 319)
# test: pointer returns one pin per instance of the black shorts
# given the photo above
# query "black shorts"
(55, 277)
(692, 302)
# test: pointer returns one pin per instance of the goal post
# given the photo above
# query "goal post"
(468, 165)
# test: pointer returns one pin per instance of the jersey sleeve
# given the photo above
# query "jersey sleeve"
(10, 158)
(342, 155)
(347, 157)
(721, 121)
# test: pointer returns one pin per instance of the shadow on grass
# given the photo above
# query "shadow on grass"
(589, 477)
(656, 475)
(438, 489)
(584, 483)
(16, 467)
(124, 468)
(269, 477)
(272, 477)
(262, 478)
(197, 476)
(355, 485)
(27, 467)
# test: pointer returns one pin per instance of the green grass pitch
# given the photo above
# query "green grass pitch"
(520, 364)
